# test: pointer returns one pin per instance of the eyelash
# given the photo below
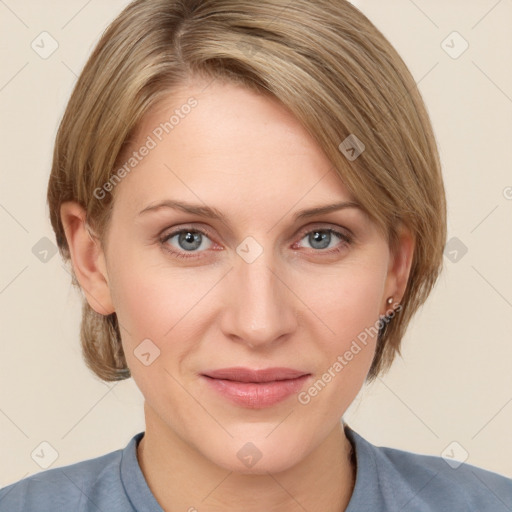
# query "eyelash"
(345, 241)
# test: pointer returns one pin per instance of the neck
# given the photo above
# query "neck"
(181, 478)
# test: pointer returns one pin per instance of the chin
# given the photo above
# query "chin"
(257, 458)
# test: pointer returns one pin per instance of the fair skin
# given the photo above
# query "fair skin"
(297, 305)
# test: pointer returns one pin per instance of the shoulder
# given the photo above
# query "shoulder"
(81, 486)
(428, 483)
(460, 483)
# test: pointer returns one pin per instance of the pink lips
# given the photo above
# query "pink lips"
(256, 389)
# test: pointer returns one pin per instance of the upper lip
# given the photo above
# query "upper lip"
(241, 374)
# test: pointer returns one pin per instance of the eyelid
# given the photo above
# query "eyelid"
(327, 226)
(339, 231)
(205, 230)
(167, 234)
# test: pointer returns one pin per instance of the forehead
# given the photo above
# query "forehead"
(224, 144)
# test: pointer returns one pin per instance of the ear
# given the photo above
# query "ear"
(87, 257)
(399, 266)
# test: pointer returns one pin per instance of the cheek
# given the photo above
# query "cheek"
(154, 308)
(169, 306)
(141, 304)
(346, 301)
(149, 298)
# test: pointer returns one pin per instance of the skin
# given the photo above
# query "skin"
(295, 305)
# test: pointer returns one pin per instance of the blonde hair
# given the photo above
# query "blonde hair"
(322, 59)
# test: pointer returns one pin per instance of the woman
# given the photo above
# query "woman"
(251, 198)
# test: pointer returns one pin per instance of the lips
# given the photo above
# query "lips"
(255, 389)
(240, 374)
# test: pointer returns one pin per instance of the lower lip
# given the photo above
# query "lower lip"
(257, 395)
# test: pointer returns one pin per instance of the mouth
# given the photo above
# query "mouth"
(255, 389)
(240, 374)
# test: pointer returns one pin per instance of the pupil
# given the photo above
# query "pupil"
(190, 238)
(320, 237)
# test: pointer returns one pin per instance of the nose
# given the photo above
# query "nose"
(259, 306)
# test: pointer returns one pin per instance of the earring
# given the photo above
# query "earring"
(386, 319)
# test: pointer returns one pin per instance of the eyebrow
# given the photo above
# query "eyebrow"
(213, 213)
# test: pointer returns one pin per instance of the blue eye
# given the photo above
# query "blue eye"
(322, 238)
(190, 243)
(188, 240)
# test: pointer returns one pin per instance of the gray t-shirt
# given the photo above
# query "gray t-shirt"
(387, 480)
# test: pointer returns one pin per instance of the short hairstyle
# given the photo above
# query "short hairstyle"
(323, 60)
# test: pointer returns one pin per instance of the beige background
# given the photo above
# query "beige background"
(454, 382)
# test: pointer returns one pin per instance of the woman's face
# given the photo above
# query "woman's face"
(265, 287)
